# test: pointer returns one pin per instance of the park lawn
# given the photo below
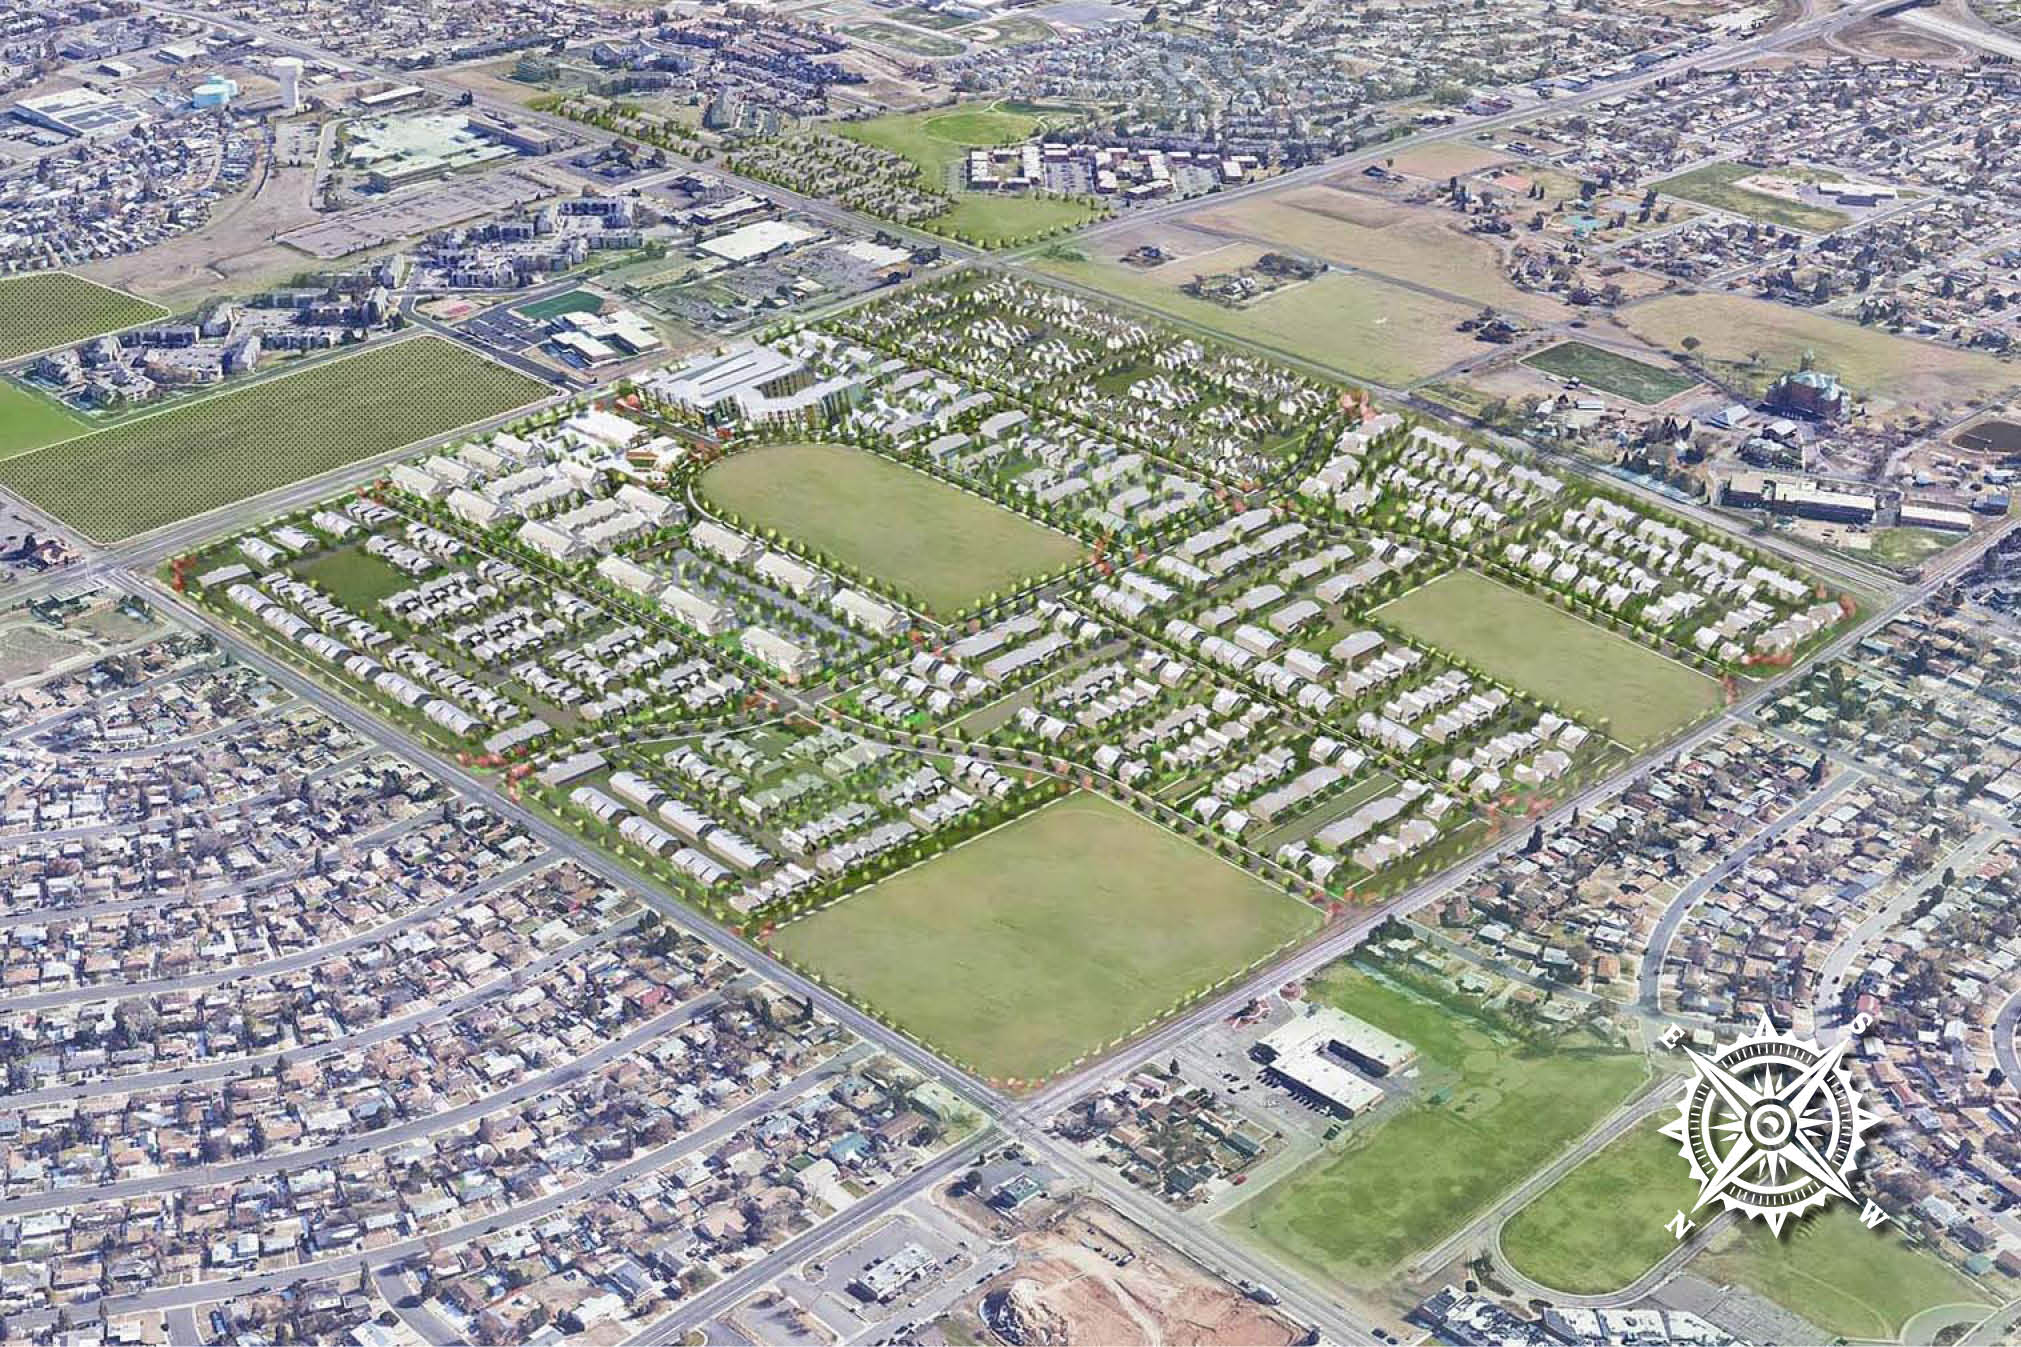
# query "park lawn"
(996, 221)
(1050, 938)
(1714, 185)
(1869, 361)
(1601, 1226)
(355, 576)
(30, 419)
(1912, 546)
(1611, 372)
(198, 455)
(54, 308)
(1555, 657)
(1841, 1276)
(911, 531)
(1347, 321)
(1410, 1179)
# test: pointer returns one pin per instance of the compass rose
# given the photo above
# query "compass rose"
(1771, 1125)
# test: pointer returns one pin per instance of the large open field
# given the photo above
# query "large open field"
(1413, 244)
(1047, 938)
(1601, 1226)
(54, 308)
(1346, 321)
(196, 456)
(920, 535)
(1838, 1274)
(29, 420)
(1611, 372)
(1872, 363)
(1411, 1179)
(938, 139)
(1594, 674)
(1717, 185)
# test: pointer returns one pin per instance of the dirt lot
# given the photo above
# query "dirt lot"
(1416, 245)
(235, 250)
(1067, 1287)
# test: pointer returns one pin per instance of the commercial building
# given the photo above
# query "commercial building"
(1802, 496)
(1311, 1054)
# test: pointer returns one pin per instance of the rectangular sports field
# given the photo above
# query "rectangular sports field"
(54, 308)
(1594, 674)
(1047, 938)
(196, 456)
(937, 542)
(1611, 372)
(1404, 1182)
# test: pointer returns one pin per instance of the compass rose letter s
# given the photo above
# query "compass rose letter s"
(1771, 1125)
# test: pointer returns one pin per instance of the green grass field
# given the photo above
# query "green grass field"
(1610, 372)
(1912, 546)
(905, 39)
(29, 420)
(1408, 1180)
(554, 306)
(54, 308)
(355, 575)
(917, 534)
(938, 139)
(196, 456)
(1548, 653)
(1601, 1226)
(1714, 185)
(1046, 939)
(1843, 1277)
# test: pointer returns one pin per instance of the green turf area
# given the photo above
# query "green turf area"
(30, 419)
(198, 455)
(1594, 674)
(919, 535)
(1047, 938)
(55, 308)
(939, 139)
(1714, 185)
(1601, 1226)
(355, 576)
(1609, 372)
(905, 39)
(1911, 546)
(1841, 1276)
(554, 306)
(1406, 1181)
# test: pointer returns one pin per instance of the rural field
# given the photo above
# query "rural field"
(1046, 939)
(1540, 649)
(54, 308)
(1611, 372)
(198, 455)
(954, 547)
(1601, 1226)
(1400, 242)
(1347, 321)
(1844, 1278)
(30, 419)
(938, 139)
(1870, 362)
(1717, 185)
(1405, 1181)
